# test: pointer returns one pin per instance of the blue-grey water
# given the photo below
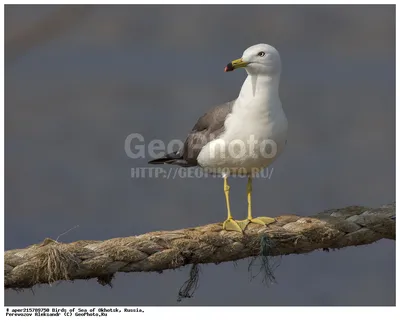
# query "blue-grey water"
(72, 100)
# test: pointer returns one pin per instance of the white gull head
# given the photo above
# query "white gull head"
(260, 59)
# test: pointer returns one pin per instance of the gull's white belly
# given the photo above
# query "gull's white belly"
(251, 142)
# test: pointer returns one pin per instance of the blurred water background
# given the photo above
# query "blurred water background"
(76, 90)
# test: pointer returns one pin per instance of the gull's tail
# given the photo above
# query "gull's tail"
(174, 158)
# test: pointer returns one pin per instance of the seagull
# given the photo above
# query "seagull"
(242, 136)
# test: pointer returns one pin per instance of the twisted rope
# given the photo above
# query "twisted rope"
(51, 261)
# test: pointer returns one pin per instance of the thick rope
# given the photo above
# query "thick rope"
(52, 261)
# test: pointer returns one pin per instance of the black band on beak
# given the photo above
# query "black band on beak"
(229, 67)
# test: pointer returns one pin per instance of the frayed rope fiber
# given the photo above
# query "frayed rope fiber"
(268, 263)
(266, 268)
(189, 287)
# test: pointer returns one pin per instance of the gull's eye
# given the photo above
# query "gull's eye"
(261, 54)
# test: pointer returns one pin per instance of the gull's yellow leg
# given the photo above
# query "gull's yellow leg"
(229, 224)
(226, 191)
(263, 220)
(249, 190)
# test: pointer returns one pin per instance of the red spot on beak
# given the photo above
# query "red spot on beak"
(229, 67)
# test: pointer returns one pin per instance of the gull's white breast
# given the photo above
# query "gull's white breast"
(254, 136)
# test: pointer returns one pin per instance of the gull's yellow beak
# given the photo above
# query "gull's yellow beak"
(237, 63)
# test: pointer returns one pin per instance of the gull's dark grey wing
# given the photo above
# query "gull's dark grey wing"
(209, 127)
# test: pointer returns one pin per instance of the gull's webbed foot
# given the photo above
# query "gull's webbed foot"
(233, 225)
(263, 220)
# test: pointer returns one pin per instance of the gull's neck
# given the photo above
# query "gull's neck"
(260, 87)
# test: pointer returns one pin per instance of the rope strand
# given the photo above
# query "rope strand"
(53, 261)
